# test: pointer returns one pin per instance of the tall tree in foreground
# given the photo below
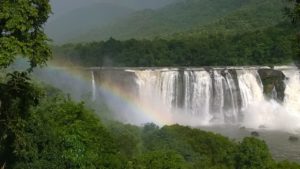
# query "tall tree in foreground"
(21, 35)
(21, 31)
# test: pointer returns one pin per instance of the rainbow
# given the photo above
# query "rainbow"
(144, 109)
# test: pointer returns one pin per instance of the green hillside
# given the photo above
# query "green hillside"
(215, 32)
(269, 46)
(193, 16)
(83, 19)
(255, 15)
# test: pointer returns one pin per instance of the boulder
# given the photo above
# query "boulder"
(293, 138)
(273, 80)
(255, 134)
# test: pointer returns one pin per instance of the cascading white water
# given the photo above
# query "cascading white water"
(233, 91)
(159, 85)
(275, 115)
(216, 96)
(198, 90)
(93, 86)
(208, 97)
(167, 88)
(292, 91)
(274, 93)
(251, 88)
(193, 96)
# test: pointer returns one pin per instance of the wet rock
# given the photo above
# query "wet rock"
(243, 128)
(255, 134)
(293, 138)
(262, 127)
(273, 80)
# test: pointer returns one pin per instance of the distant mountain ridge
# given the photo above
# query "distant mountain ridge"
(190, 17)
(81, 20)
(253, 16)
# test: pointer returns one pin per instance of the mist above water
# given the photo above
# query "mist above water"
(275, 115)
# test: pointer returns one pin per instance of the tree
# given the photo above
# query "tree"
(21, 31)
(161, 159)
(18, 94)
(60, 133)
(253, 154)
(21, 34)
(293, 12)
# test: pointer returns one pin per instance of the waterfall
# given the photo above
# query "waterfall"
(274, 114)
(218, 97)
(159, 85)
(191, 96)
(198, 96)
(274, 94)
(209, 96)
(233, 99)
(251, 88)
(93, 86)
(198, 89)
(292, 91)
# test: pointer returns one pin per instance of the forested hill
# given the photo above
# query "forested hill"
(79, 21)
(193, 33)
(193, 16)
(268, 46)
(255, 15)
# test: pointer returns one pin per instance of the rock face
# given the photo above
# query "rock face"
(117, 78)
(273, 82)
(293, 138)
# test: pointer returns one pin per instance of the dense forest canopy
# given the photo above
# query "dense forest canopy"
(192, 17)
(271, 46)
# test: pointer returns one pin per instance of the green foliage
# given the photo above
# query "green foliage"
(256, 15)
(21, 34)
(18, 94)
(62, 134)
(59, 133)
(287, 165)
(82, 20)
(200, 149)
(193, 17)
(160, 159)
(293, 11)
(253, 154)
(262, 47)
(21, 31)
(130, 142)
